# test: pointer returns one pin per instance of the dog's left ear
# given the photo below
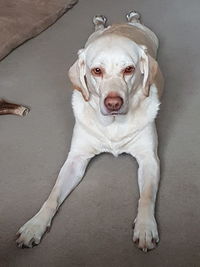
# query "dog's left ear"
(77, 75)
(149, 68)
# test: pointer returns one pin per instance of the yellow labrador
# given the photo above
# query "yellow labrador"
(119, 85)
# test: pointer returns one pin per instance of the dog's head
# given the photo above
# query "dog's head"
(113, 69)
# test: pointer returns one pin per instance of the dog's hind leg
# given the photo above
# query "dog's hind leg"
(99, 22)
(133, 17)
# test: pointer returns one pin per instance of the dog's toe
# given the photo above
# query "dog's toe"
(31, 233)
(145, 234)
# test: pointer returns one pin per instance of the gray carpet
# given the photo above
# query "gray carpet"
(93, 227)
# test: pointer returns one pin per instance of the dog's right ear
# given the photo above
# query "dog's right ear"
(149, 69)
(77, 75)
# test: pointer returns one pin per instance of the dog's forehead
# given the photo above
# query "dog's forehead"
(112, 50)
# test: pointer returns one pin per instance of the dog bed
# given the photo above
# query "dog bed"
(23, 19)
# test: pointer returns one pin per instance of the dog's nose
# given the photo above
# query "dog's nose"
(113, 102)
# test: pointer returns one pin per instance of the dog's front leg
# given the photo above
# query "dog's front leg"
(69, 177)
(145, 227)
(145, 233)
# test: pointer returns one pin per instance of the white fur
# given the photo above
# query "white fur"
(94, 133)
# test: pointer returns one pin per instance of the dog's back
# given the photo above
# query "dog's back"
(137, 32)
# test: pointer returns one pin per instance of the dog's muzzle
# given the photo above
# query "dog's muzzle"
(114, 105)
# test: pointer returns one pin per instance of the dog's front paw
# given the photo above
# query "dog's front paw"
(145, 233)
(31, 232)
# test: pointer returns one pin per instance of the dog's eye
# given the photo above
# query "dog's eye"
(129, 70)
(96, 71)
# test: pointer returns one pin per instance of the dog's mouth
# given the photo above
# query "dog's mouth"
(113, 113)
(116, 113)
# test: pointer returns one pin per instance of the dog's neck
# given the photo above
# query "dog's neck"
(142, 111)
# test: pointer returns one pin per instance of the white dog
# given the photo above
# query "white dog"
(118, 86)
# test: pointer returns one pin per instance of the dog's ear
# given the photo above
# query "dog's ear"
(77, 75)
(149, 68)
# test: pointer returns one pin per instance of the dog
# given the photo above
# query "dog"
(118, 85)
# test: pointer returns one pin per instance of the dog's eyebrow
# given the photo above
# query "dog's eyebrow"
(129, 63)
(98, 64)
(121, 64)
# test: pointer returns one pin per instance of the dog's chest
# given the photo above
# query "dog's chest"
(115, 138)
